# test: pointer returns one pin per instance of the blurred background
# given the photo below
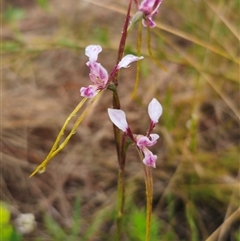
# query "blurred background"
(196, 182)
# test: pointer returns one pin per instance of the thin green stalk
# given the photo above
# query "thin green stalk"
(120, 201)
(149, 195)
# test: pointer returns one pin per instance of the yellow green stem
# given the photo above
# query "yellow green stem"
(149, 195)
(120, 201)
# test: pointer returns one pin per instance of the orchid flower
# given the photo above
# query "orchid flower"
(149, 9)
(143, 142)
(118, 117)
(98, 74)
(146, 10)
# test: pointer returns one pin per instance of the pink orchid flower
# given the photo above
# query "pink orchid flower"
(143, 142)
(98, 74)
(146, 10)
(149, 9)
(118, 117)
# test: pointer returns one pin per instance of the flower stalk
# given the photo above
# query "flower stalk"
(149, 196)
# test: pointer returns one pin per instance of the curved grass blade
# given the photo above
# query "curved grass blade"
(55, 150)
(139, 44)
(150, 50)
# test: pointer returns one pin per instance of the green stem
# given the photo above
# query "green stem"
(120, 201)
(149, 195)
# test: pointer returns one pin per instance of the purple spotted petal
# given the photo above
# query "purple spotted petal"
(149, 9)
(149, 158)
(146, 6)
(98, 74)
(89, 92)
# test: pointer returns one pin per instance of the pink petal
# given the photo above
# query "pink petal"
(118, 118)
(149, 158)
(149, 7)
(155, 7)
(154, 137)
(154, 110)
(150, 22)
(127, 60)
(143, 141)
(98, 74)
(89, 92)
(146, 6)
(92, 52)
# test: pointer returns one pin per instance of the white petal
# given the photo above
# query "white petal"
(154, 110)
(118, 118)
(92, 52)
(127, 60)
(154, 137)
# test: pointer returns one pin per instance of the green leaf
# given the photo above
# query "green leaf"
(55, 229)
(4, 214)
(137, 231)
(76, 217)
(6, 232)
